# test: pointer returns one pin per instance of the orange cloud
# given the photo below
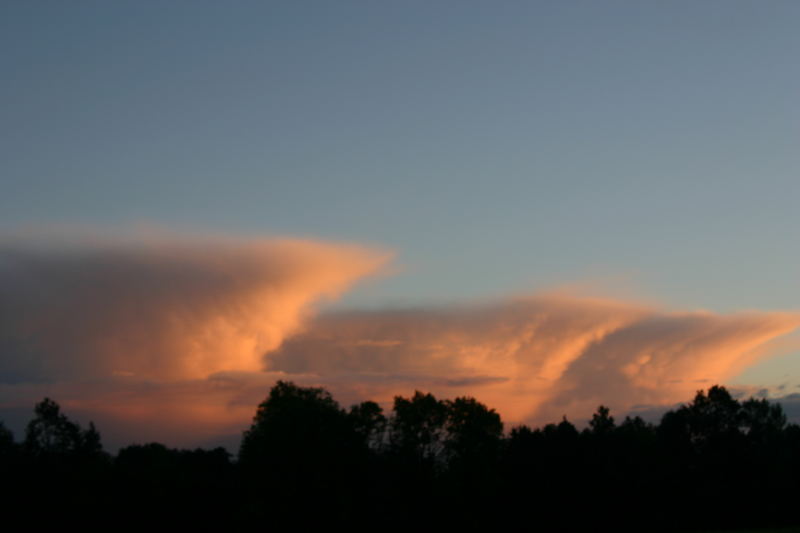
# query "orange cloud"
(177, 338)
(161, 307)
(535, 358)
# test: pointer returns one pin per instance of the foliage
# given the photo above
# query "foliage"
(51, 433)
(602, 423)
(369, 422)
(474, 431)
(6, 438)
(442, 463)
(418, 427)
(295, 425)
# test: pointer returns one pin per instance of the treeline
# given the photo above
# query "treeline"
(714, 463)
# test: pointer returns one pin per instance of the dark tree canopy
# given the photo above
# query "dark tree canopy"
(716, 418)
(6, 437)
(602, 423)
(295, 422)
(369, 422)
(306, 462)
(300, 452)
(473, 430)
(52, 433)
(418, 427)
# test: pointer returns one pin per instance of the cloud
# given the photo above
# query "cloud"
(158, 306)
(178, 338)
(535, 358)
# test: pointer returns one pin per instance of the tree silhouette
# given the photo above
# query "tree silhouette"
(368, 420)
(295, 422)
(474, 431)
(473, 442)
(8, 450)
(602, 422)
(6, 438)
(51, 433)
(300, 452)
(418, 429)
(63, 465)
(156, 484)
(713, 416)
(762, 420)
(305, 461)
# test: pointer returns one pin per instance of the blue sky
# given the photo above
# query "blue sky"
(497, 148)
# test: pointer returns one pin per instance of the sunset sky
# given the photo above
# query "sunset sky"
(545, 205)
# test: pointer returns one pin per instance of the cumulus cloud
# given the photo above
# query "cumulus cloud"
(160, 306)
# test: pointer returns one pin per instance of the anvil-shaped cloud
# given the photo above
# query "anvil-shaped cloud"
(178, 338)
(160, 306)
(537, 357)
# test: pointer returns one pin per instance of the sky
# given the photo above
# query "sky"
(500, 200)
